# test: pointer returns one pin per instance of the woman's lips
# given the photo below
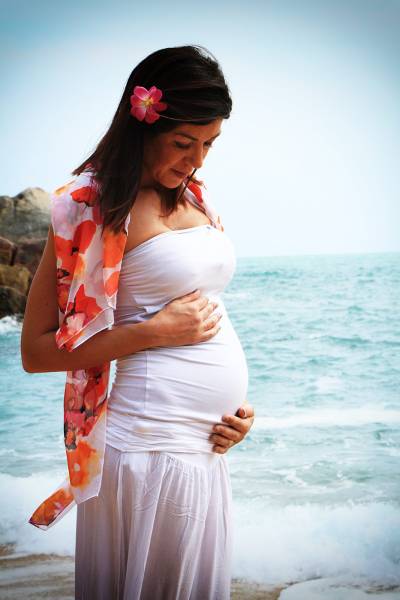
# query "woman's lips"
(179, 173)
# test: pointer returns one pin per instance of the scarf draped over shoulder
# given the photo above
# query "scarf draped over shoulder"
(88, 269)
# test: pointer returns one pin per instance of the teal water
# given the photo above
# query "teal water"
(316, 483)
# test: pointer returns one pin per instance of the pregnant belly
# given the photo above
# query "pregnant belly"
(203, 381)
(185, 384)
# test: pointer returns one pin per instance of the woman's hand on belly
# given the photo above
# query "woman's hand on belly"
(236, 428)
(186, 320)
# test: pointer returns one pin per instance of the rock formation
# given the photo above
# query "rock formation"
(24, 225)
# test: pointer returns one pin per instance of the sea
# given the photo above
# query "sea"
(316, 482)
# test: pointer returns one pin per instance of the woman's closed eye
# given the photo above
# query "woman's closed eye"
(186, 146)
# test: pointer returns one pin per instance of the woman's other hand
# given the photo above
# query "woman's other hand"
(236, 428)
(186, 320)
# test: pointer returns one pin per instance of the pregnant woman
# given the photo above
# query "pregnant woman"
(159, 524)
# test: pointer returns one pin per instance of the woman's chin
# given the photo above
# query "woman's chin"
(172, 181)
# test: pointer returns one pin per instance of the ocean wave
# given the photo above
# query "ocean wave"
(355, 340)
(20, 497)
(330, 417)
(354, 308)
(300, 542)
(259, 274)
(327, 383)
(10, 324)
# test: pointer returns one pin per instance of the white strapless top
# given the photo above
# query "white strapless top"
(169, 398)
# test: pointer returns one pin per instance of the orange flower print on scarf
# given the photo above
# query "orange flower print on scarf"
(83, 464)
(87, 194)
(205, 205)
(78, 313)
(71, 261)
(114, 245)
(82, 409)
(196, 190)
(48, 511)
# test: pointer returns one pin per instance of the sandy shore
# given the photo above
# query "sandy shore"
(51, 576)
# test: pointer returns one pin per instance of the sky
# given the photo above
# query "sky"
(308, 162)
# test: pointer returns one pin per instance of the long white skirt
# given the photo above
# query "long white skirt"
(160, 529)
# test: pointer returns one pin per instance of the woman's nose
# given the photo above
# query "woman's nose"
(197, 157)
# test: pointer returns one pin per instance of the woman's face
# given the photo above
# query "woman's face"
(170, 157)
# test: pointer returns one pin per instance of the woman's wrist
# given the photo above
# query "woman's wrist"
(148, 334)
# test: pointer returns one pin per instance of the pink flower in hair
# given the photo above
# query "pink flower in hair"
(146, 103)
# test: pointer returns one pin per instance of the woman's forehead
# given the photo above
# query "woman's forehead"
(198, 132)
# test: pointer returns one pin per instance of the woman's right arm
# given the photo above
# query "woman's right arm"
(182, 321)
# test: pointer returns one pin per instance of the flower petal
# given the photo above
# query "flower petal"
(159, 106)
(141, 92)
(151, 116)
(139, 112)
(135, 101)
(155, 94)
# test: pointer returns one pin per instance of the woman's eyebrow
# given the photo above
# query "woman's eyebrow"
(186, 135)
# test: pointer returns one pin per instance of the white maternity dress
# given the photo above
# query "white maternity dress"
(161, 527)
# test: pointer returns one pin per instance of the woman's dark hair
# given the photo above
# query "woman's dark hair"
(195, 90)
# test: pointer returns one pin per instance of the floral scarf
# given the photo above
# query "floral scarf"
(88, 268)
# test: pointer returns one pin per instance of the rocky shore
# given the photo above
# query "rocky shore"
(24, 224)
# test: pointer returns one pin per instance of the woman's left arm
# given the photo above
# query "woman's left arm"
(236, 428)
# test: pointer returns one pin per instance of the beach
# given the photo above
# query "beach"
(51, 576)
(35, 576)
